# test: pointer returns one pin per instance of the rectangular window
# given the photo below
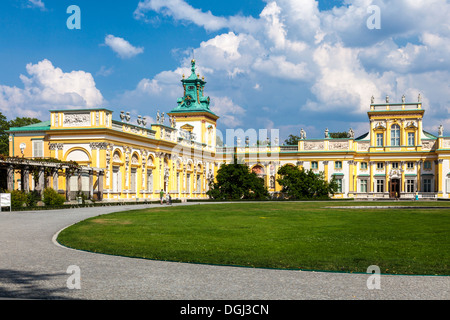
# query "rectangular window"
(395, 135)
(38, 149)
(188, 183)
(410, 165)
(410, 186)
(116, 185)
(427, 165)
(150, 181)
(314, 165)
(363, 186)
(380, 165)
(199, 183)
(394, 165)
(338, 164)
(339, 184)
(379, 139)
(363, 165)
(380, 186)
(427, 185)
(133, 180)
(411, 139)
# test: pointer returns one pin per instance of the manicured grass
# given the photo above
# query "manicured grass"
(286, 235)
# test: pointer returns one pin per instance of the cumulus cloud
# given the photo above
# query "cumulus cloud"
(297, 57)
(47, 87)
(36, 4)
(122, 47)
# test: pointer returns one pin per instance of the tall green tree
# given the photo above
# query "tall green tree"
(4, 137)
(339, 135)
(292, 140)
(235, 181)
(299, 184)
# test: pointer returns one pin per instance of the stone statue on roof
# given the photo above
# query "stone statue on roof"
(302, 134)
(351, 134)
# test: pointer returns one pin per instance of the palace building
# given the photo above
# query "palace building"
(122, 161)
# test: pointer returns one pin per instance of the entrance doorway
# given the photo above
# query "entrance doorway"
(394, 191)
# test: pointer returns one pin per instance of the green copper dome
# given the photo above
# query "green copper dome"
(193, 99)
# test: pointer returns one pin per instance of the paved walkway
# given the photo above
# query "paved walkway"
(33, 266)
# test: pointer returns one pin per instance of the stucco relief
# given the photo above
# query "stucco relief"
(363, 146)
(338, 145)
(428, 145)
(314, 145)
(77, 120)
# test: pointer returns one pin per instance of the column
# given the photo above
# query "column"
(100, 185)
(419, 168)
(41, 180)
(403, 181)
(68, 184)
(10, 178)
(26, 179)
(371, 182)
(387, 182)
(351, 179)
(91, 184)
(79, 181)
(439, 175)
(55, 179)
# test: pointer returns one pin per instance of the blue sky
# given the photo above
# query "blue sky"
(281, 64)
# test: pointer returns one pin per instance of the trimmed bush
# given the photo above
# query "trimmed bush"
(18, 198)
(32, 198)
(53, 198)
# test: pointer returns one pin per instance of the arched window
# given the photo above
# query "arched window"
(395, 135)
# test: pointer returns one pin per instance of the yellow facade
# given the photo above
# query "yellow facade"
(395, 158)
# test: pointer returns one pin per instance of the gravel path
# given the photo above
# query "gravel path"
(33, 266)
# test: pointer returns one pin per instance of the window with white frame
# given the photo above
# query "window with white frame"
(363, 186)
(380, 186)
(411, 138)
(338, 164)
(379, 139)
(339, 185)
(427, 183)
(116, 181)
(38, 148)
(150, 180)
(410, 185)
(410, 165)
(395, 135)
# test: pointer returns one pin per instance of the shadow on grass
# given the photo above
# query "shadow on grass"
(30, 285)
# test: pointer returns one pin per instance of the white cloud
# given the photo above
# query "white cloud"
(182, 11)
(48, 87)
(323, 62)
(122, 47)
(36, 4)
(229, 112)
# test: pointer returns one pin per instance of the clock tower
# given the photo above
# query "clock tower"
(193, 117)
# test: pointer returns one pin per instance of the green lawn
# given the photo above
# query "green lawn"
(284, 235)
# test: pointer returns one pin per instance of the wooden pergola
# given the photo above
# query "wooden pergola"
(43, 169)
